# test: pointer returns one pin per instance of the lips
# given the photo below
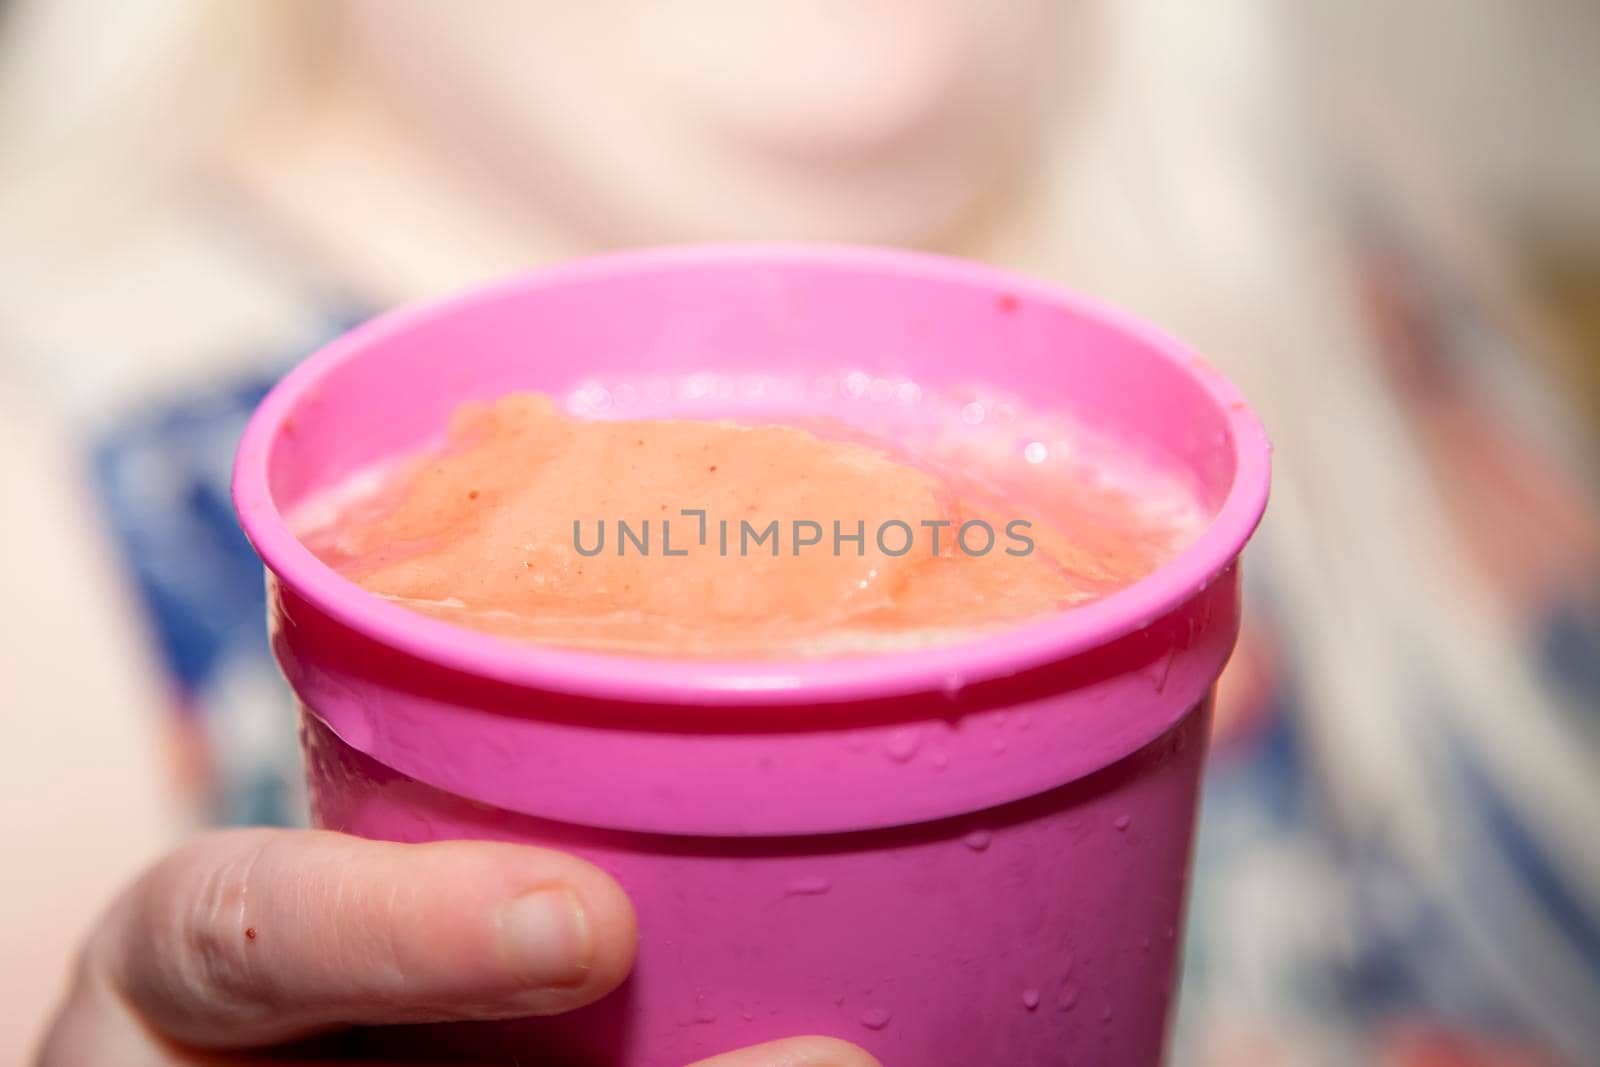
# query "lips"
(817, 79)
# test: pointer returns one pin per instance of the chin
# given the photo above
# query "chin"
(681, 177)
(752, 195)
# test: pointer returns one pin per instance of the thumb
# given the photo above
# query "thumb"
(247, 938)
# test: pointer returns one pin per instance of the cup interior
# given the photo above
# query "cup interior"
(807, 328)
(800, 317)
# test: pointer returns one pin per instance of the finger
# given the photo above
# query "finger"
(252, 937)
(795, 1052)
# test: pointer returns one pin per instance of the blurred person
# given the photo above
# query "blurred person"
(1393, 864)
(1503, 102)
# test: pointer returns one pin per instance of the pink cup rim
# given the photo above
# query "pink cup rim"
(744, 682)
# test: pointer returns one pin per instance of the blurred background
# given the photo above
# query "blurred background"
(1381, 219)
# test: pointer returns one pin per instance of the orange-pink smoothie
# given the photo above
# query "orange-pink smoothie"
(703, 537)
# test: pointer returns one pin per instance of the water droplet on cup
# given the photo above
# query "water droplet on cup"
(999, 746)
(903, 744)
(1030, 999)
(978, 840)
(808, 887)
(875, 1018)
(1122, 822)
(1159, 671)
(1067, 999)
(940, 761)
(1105, 1014)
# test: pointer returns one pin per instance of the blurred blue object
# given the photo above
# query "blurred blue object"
(162, 476)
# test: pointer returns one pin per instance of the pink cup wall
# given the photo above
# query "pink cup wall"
(957, 856)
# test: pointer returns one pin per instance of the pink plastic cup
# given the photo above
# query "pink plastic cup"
(967, 855)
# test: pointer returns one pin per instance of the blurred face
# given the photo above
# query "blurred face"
(642, 120)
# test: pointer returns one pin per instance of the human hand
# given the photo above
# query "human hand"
(252, 940)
